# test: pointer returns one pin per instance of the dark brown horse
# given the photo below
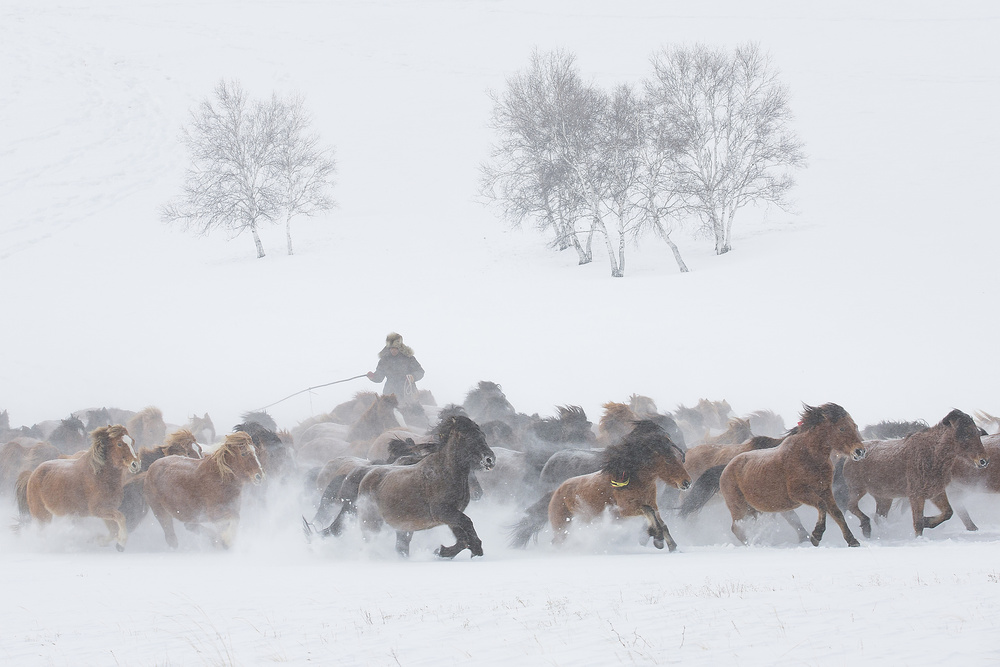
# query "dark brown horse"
(796, 472)
(918, 467)
(626, 483)
(433, 492)
(209, 489)
(70, 436)
(89, 485)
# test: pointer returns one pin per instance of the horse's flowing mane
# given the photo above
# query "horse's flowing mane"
(812, 417)
(633, 455)
(228, 447)
(100, 439)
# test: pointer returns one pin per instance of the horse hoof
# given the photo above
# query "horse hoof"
(659, 544)
(815, 542)
(855, 543)
(120, 547)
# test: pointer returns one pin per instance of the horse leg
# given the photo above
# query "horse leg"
(228, 534)
(866, 522)
(166, 522)
(793, 520)
(963, 514)
(941, 501)
(834, 510)
(465, 537)
(658, 529)
(117, 531)
(882, 507)
(403, 538)
(919, 521)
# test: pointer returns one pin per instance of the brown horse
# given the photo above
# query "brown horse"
(968, 477)
(918, 467)
(179, 443)
(208, 489)
(433, 492)
(90, 485)
(16, 458)
(796, 472)
(626, 483)
(202, 428)
(147, 426)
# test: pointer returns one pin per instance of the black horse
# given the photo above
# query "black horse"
(433, 492)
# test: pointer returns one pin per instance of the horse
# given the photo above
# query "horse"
(90, 485)
(918, 467)
(967, 477)
(70, 436)
(616, 422)
(202, 428)
(705, 463)
(432, 492)
(147, 426)
(260, 417)
(796, 472)
(892, 430)
(208, 489)
(766, 422)
(486, 402)
(16, 458)
(179, 443)
(340, 479)
(377, 419)
(696, 422)
(271, 450)
(626, 482)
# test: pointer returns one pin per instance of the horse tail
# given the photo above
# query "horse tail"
(706, 486)
(534, 519)
(21, 492)
(841, 494)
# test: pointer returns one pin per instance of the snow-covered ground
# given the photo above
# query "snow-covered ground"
(878, 292)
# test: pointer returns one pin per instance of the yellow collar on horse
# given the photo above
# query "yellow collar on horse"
(619, 484)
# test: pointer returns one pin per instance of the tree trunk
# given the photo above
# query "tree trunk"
(616, 268)
(256, 240)
(673, 246)
(288, 233)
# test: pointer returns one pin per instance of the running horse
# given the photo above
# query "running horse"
(432, 492)
(89, 485)
(207, 489)
(796, 472)
(626, 483)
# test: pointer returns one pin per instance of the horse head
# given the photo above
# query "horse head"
(238, 456)
(182, 443)
(112, 445)
(966, 436)
(463, 438)
(646, 453)
(837, 426)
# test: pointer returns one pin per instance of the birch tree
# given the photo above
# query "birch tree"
(728, 116)
(252, 162)
(544, 120)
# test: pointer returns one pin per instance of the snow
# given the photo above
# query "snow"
(877, 293)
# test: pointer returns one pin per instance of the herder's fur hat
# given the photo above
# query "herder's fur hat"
(394, 340)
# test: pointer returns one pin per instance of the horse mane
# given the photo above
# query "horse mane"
(571, 413)
(259, 417)
(228, 447)
(812, 417)
(634, 454)
(100, 439)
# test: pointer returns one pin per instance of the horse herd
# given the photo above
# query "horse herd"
(374, 462)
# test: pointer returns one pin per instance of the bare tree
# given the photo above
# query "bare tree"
(251, 162)
(545, 120)
(304, 169)
(728, 116)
